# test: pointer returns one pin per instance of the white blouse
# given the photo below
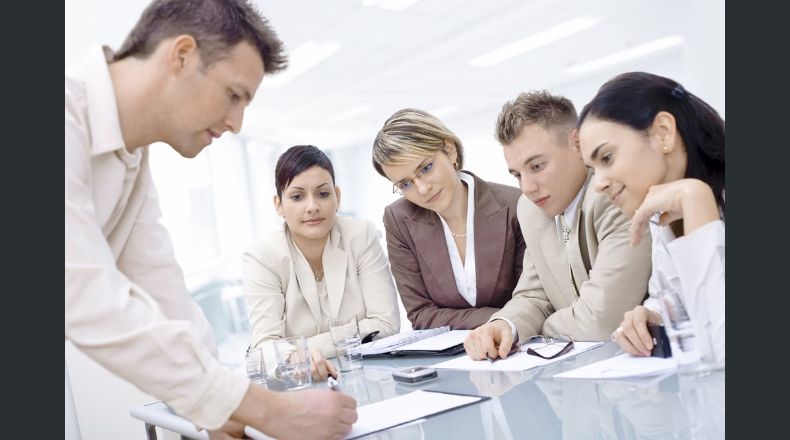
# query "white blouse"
(464, 272)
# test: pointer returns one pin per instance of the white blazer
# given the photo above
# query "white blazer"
(281, 291)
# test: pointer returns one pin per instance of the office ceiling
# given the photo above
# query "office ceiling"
(419, 57)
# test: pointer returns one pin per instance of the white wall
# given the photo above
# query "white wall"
(704, 71)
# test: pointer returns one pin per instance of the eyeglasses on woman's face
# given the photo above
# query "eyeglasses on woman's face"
(405, 185)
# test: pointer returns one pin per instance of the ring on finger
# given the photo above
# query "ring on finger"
(615, 332)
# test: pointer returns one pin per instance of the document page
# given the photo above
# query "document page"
(405, 408)
(515, 362)
(402, 409)
(398, 340)
(622, 366)
(438, 342)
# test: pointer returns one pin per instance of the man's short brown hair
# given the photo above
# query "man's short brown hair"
(535, 107)
(217, 26)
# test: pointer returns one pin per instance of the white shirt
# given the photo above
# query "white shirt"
(464, 272)
(694, 266)
(323, 300)
(320, 288)
(570, 216)
(126, 304)
(569, 213)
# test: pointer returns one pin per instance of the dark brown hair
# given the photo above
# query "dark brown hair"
(297, 159)
(216, 25)
(635, 98)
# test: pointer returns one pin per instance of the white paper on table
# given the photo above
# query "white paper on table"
(393, 342)
(622, 366)
(405, 408)
(393, 412)
(515, 362)
(438, 342)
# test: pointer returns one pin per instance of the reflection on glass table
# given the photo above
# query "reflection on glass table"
(533, 404)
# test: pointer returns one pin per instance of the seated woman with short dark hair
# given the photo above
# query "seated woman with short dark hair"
(320, 266)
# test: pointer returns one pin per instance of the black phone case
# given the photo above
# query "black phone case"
(455, 349)
(661, 346)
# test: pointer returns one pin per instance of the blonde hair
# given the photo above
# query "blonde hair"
(535, 107)
(412, 133)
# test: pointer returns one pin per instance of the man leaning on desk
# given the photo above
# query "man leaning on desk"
(580, 273)
(183, 76)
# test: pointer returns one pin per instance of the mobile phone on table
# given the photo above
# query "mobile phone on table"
(414, 374)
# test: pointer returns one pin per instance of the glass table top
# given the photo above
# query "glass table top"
(532, 404)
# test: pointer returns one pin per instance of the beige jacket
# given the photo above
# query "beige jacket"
(281, 291)
(611, 276)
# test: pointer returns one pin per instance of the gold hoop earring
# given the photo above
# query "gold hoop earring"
(455, 165)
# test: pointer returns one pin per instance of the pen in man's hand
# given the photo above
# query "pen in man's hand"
(333, 383)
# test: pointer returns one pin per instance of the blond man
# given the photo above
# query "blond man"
(580, 272)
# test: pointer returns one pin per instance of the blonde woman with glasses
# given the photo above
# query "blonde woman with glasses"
(453, 239)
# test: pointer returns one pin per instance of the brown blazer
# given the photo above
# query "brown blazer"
(421, 265)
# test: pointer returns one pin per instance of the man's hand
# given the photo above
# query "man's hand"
(491, 340)
(313, 414)
(229, 431)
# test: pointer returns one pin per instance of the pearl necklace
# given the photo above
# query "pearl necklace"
(459, 235)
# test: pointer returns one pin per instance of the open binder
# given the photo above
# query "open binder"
(430, 342)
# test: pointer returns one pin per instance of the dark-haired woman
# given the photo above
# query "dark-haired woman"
(318, 267)
(658, 153)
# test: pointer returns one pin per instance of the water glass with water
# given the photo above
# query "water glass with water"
(347, 341)
(293, 363)
(256, 367)
(688, 348)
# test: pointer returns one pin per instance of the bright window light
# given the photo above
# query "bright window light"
(391, 5)
(625, 55)
(544, 38)
(442, 112)
(306, 56)
(348, 114)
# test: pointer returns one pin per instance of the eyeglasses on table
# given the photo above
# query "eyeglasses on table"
(548, 347)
